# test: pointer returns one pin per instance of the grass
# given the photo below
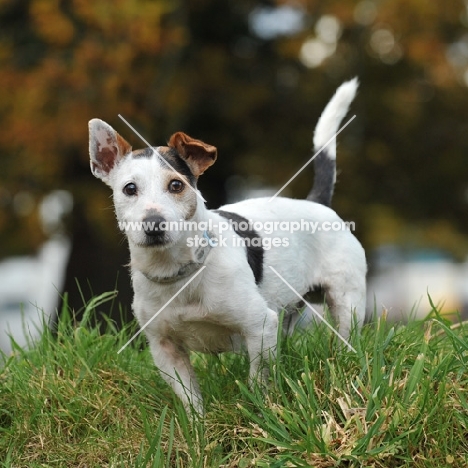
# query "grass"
(401, 400)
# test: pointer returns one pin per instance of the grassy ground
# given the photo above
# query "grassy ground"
(401, 400)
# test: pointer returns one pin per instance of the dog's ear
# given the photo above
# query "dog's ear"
(106, 148)
(198, 155)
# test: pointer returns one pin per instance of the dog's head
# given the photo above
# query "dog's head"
(152, 187)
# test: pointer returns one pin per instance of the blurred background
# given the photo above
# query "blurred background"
(250, 77)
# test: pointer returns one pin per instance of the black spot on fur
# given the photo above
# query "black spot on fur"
(171, 156)
(253, 243)
(173, 160)
(145, 153)
(324, 179)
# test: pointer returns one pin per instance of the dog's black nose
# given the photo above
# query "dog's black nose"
(152, 225)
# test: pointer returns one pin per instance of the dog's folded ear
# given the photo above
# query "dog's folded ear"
(199, 156)
(106, 148)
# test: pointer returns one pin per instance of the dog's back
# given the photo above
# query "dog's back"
(307, 241)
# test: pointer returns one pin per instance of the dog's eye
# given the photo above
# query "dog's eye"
(130, 189)
(176, 186)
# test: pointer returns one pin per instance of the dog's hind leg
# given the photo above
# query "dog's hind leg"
(173, 362)
(343, 280)
(347, 306)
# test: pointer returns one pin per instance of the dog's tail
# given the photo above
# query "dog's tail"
(325, 142)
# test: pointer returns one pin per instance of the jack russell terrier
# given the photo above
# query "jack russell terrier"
(215, 281)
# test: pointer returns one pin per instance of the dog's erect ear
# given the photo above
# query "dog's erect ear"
(198, 155)
(106, 148)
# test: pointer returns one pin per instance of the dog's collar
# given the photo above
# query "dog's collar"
(191, 267)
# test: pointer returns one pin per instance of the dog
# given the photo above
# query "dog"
(220, 286)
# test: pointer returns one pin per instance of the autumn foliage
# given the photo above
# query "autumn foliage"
(201, 67)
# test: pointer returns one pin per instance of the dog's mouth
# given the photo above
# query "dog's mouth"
(161, 240)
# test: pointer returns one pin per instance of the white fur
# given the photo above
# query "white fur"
(223, 309)
(333, 114)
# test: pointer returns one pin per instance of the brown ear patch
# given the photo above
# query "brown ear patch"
(198, 155)
(106, 148)
(105, 159)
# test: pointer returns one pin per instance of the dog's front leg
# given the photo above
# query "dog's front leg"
(173, 362)
(261, 339)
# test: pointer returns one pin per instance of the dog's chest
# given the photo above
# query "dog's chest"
(188, 321)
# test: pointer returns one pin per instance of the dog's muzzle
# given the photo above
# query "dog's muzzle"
(156, 234)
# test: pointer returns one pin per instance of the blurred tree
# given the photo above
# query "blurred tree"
(250, 77)
(63, 63)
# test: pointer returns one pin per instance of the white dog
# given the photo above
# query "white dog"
(203, 279)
